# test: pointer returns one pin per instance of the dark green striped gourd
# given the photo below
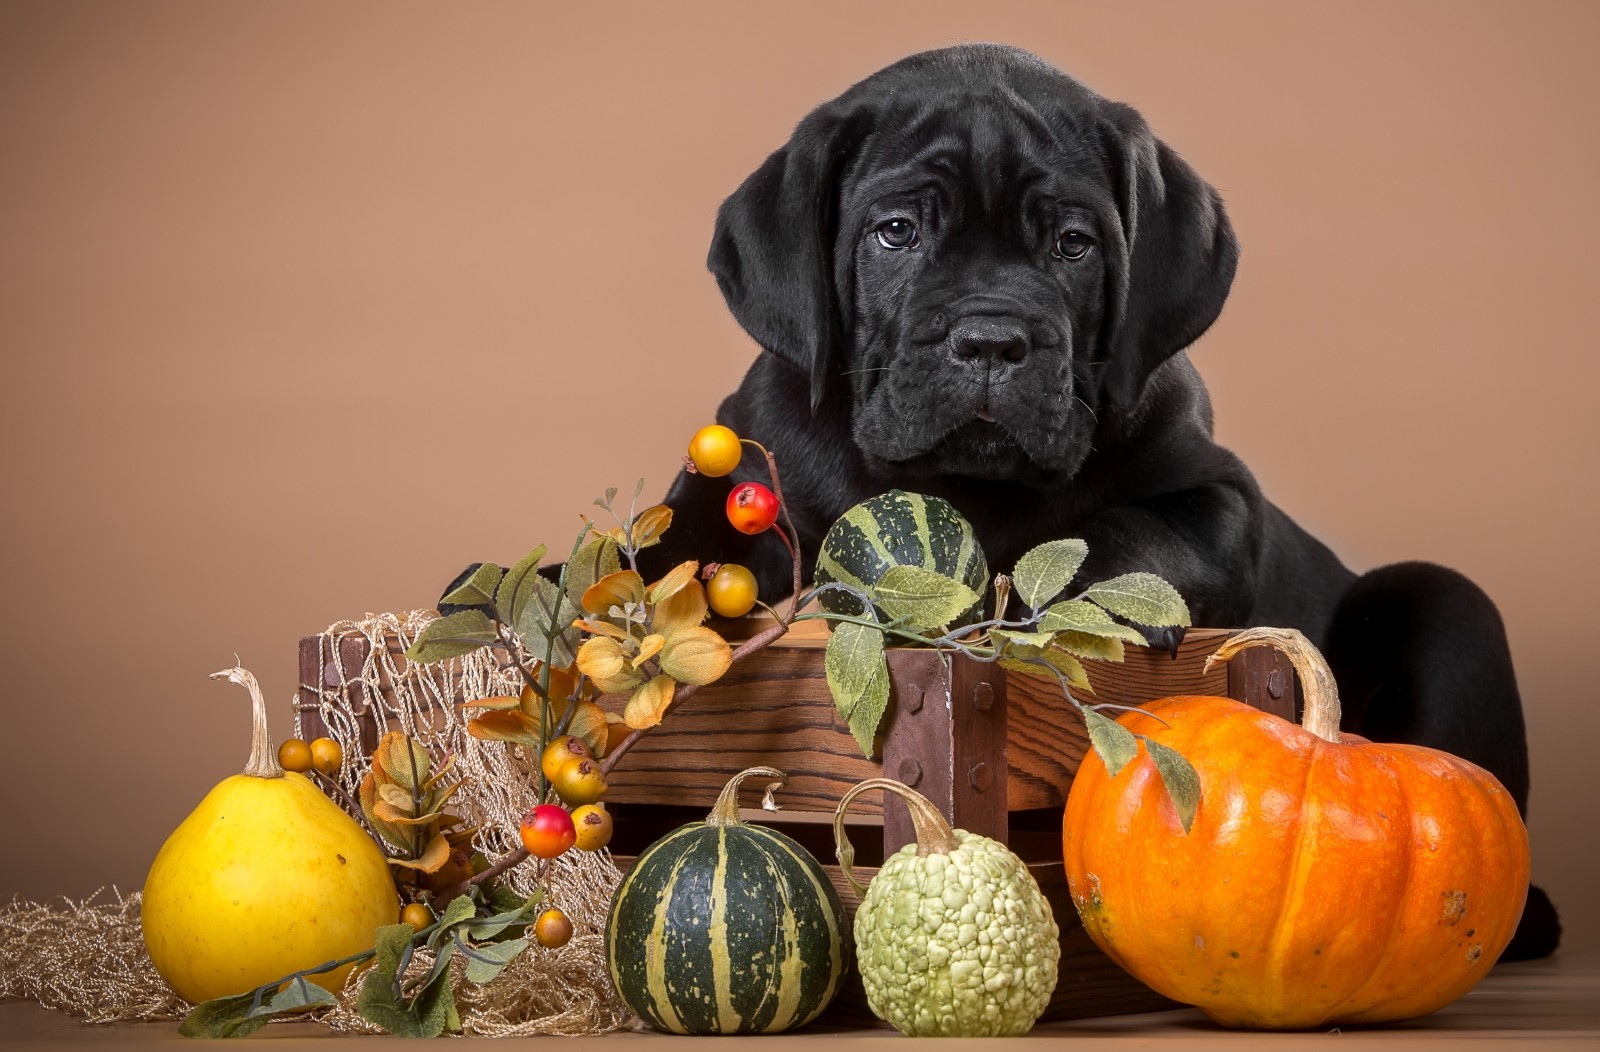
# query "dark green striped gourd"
(726, 928)
(905, 529)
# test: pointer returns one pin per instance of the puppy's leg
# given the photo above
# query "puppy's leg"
(1420, 656)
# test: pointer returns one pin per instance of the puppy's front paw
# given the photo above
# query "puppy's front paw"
(1167, 638)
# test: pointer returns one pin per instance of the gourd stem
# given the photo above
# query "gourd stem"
(725, 812)
(934, 835)
(263, 757)
(1316, 679)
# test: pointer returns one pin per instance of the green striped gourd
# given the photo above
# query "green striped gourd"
(726, 928)
(899, 528)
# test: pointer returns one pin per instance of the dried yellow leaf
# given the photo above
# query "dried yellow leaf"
(605, 662)
(614, 589)
(644, 709)
(650, 525)
(696, 655)
(674, 581)
(685, 608)
(432, 860)
(649, 647)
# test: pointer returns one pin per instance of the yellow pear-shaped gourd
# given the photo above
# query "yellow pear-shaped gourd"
(265, 878)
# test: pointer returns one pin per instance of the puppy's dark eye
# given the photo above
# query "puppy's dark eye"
(897, 233)
(1074, 244)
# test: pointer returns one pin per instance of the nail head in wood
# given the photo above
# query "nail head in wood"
(913, 701)
(909, 772)
(981, 776)
(982, 697)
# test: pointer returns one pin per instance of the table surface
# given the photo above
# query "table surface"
(1555, 1000)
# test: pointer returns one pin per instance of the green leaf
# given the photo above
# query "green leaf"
(1050, 663)
(1034, 654)
(1180, 778)
(1075, 615)
(850, 663)
(460, 909)
(504, 897)
(1142, 598)
(598, 557)
(448, 637)
(1115, 743)
(486, 928)
(516, 587)
(1019, 642)
(921, 597)
(544, 624)
(1093, 647)
(427, 1014)
(484, 963)
(478, 589)
(379, 1002)
(1042, 573)
(435, 1007)
(223, 1017)
(297, 995)
(441, 966)
(858, 677)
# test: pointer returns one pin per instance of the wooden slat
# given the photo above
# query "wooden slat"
(1046, 739)
(773, 710)
(947, 740)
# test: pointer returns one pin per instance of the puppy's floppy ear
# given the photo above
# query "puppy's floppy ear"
(773, 249)
(1178, 255)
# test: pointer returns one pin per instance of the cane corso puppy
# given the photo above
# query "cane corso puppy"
(974, 277)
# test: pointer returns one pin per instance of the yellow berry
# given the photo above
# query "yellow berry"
(593, 825)
(553, 929)
(327, 756)
(295, 755)
(731, 592)
(715, 450)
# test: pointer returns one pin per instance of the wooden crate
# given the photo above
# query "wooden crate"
(995, 752)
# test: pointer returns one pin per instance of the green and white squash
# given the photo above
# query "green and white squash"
(726, 928)
(953, 936)
(899, 529)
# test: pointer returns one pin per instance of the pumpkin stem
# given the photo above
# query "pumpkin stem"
(725, 812)
(1316, 679)
(263, 757)
(934, 835)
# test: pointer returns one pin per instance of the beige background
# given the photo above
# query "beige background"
(304, 305)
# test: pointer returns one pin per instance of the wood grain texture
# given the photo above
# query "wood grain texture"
(773, 709)
(1045, 738)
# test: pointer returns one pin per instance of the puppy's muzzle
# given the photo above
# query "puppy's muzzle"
(991, 341)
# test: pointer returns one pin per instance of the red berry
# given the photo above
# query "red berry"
(752, 507)
(547, 831)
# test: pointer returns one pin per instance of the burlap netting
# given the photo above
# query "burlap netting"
(87, 957)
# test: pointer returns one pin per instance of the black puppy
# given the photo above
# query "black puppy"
(975, 278)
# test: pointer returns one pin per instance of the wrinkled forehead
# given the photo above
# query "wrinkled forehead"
(989, 147)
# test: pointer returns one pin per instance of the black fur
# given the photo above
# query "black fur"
(1047, 396)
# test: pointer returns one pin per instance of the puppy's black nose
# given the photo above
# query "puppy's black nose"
(987, 338)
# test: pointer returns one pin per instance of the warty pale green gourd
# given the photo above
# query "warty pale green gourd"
(953, 936)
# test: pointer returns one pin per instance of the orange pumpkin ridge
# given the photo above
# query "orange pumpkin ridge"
(1321, 880)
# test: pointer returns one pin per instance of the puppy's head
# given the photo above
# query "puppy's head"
(983, 256)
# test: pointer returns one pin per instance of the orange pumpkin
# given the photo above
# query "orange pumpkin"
(1325, 879)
